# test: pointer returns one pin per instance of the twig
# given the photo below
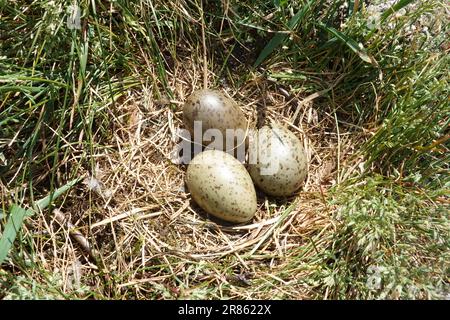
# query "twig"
(75, 234)
(282, 217)
(125, 215)
(309, 98)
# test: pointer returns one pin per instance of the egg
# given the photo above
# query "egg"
(277, 161)
(213, 110)
(221, 186)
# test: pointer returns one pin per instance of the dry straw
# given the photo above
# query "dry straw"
(135, 213)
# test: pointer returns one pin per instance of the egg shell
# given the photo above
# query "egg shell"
(277, 161)
(221, 186)
(215, 111)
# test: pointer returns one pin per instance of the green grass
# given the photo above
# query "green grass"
(59, 89)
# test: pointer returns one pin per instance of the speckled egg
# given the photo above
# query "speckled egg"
(221, 186)
(215, 111)
(277, 161)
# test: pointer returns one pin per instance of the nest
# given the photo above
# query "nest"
(146, 237)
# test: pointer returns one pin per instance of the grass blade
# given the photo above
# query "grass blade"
(352, 44)
(399, 5)
(12, 227)
(17, 215)
(45, 202)
(278, 39)
(386, 14)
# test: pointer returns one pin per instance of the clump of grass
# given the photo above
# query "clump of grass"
(392, 242)
(103, 101)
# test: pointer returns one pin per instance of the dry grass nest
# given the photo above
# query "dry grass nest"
(139, 234)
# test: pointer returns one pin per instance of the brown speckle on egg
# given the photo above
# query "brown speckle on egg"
(215, 111)
(228, 192)
(277, 147)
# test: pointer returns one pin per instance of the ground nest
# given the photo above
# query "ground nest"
(147, 236)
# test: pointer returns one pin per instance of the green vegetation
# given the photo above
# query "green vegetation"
(368, 84)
